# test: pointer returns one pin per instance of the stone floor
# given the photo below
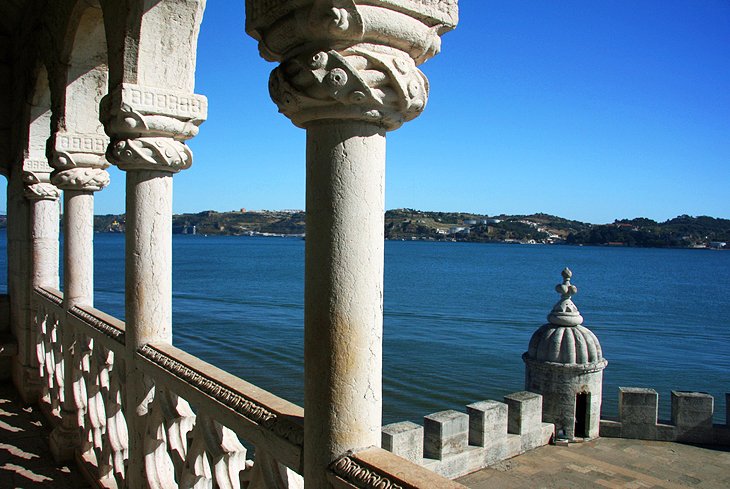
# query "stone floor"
(612, 463)
(25, 459)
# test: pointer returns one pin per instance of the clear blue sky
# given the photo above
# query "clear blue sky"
(591, 110)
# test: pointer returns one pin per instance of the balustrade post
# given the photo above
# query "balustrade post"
(348, 75)
(80, 170)
(148, 127)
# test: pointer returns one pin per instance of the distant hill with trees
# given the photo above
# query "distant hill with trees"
(410, 224)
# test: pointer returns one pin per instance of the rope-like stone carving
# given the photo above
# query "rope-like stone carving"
(366, 82)
(97, 324)
(158, 153)
(364, 477)
(81, 178)
(234, 400)
(38, 186)
(52, 298)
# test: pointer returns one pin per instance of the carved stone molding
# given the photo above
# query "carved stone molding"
(52, 298)
(365, 82)
(350, 59)
(72, 150)
(157, 153)
(38, 186)
(98, 324)
(234, 400)
(81, 178)
(351, 471)
(133, 111)
(148, 127)
(413, 26)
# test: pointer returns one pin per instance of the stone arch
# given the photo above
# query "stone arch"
(87, 73)
(39, 117)
(156, 46)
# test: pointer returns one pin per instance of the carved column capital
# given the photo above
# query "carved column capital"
(148, 127)
(371, 83)
(37, 180)
(79, 161)
(81, 178)
(350, 59)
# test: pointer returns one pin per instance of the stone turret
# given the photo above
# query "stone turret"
(564, 363)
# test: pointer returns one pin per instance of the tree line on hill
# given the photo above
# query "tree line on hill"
(409, 224)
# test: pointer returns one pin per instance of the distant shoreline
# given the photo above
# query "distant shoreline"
(685, 232)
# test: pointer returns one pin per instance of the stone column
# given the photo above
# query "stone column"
(80, 171)
(44, 219)
(148, 127)
(32, 263)
(348, 74)
(24, 365)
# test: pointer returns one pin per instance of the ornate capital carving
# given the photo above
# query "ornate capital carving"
(413, 26)
(350, 59)
(148, 126)
(78, 151)
(133, 111)
(157, 153)
(365, 82)
(36, 177)
(81, 178)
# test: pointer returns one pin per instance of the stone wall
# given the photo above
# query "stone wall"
(453, 443)
(691, 419)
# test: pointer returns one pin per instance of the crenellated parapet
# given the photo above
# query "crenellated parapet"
(691, 418)
(453, 443)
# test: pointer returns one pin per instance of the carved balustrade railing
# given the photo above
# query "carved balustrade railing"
(195, 414)
(48, 309)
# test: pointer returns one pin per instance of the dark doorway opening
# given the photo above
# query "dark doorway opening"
(581, 415)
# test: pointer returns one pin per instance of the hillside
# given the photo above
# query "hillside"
(410, 224)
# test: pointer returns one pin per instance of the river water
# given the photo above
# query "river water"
(457, 316)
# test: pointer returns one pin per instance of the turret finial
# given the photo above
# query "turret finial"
(565, 312)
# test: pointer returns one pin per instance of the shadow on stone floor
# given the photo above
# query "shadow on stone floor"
(25, 457)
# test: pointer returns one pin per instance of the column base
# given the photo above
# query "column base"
(65, 438)
(27, 381)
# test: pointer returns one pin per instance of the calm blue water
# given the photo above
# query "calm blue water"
(457, 316)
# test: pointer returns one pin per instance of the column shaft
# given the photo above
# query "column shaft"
(44, 242)
(78, 248)
(343, 292)
(148, 294)
(24, 365)
(78, 289)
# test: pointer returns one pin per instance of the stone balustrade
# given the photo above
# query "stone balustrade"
(691, 418)
(195, 415)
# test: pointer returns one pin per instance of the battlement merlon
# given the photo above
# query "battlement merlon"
(691, 418)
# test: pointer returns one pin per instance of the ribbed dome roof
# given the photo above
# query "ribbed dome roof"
(564, 339)
(565, 344)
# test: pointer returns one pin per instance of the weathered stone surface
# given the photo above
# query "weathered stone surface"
(445, 433)
(487, 422)
(404, 439)
(638, 405)
(692, 415)
(524, 412)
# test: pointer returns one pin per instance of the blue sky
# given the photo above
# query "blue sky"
(591, 110)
